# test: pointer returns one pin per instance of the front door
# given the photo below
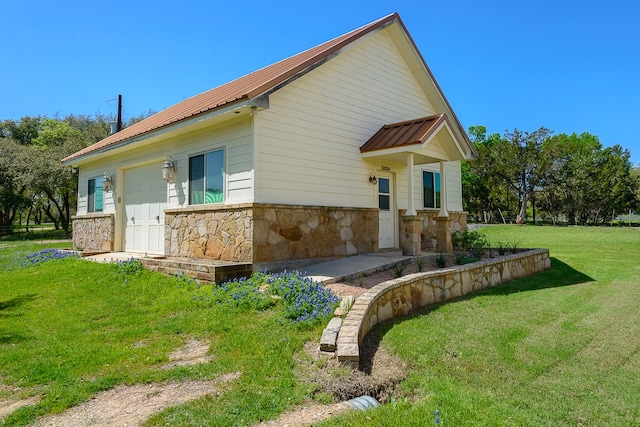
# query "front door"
(387, 229)
(145, 199)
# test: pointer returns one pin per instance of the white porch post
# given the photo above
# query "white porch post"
(411, 211)
(443, 192)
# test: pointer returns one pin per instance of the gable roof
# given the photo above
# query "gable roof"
(250, 86)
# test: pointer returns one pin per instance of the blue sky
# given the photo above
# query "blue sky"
(571, 66)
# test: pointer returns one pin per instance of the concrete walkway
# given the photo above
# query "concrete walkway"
(324, 272)
(354, 266)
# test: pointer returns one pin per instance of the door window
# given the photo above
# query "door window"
(384, 194)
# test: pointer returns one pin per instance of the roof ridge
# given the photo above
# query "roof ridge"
(246, 86)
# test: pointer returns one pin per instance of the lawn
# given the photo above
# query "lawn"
(70, 328)
(559, 348)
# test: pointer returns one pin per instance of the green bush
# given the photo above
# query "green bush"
(471, 241)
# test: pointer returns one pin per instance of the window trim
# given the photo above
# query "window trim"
(224, 176)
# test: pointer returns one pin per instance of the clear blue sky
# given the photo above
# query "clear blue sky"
(572, 66)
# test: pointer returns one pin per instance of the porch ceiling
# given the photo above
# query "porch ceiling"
(430, 139)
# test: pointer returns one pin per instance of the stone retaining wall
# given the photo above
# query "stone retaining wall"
(401, 296)
(93, 232)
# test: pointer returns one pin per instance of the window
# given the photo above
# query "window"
(431, 189)
(206, 178)
(384, 194)
(95, 200)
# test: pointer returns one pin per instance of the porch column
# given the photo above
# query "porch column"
(443, 192)
(411, 210)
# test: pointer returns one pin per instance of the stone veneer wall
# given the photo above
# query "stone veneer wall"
(221, 233)
(401, 296)
(289, 232)
(269, 234)
(428, 218)
(93, 232)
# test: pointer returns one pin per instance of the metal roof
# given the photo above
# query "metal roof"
(402, 134)
(243, 88)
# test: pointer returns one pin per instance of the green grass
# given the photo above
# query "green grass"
(70, 328)
(559, 348)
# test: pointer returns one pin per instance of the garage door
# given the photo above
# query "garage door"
(145, 199)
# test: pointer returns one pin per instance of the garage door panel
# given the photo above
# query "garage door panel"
(145, 199)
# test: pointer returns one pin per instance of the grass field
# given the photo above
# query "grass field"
(70, 328)
(559, 348)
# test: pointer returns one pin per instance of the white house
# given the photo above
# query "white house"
(349, 147)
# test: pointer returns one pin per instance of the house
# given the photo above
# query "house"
(349, 147)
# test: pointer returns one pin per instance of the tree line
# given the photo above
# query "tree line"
(33, 182)
(555, 178)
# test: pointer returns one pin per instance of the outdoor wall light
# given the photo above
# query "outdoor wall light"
(107, 182)
(373, 179)
(169, 169)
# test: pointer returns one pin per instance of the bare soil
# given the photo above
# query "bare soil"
(360, 285)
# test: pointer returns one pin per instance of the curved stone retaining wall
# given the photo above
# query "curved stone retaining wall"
(401, 296)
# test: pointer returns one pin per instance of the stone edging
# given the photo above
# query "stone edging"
(401, 296)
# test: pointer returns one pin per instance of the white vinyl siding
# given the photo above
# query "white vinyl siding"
(308, 140)
(234, 137)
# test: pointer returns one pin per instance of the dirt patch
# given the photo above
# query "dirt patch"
(131, 405)
(362, 284)
(13, 403)
(377, 377)
(192, 353)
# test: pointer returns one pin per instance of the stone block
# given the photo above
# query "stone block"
(330, 335)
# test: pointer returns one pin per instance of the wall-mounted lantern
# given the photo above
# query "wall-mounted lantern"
(169, 169)
(373, 179)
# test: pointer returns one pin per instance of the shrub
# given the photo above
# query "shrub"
(420, 263)
(440, 259)
(471, 240)
(398, 270)
(509, 245)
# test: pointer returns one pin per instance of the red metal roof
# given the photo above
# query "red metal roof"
(246, 87)
(404, 133)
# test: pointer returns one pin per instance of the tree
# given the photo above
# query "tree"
(12, 189)
(23, 131)
(517, 162)
(37, 175)
(482, 190)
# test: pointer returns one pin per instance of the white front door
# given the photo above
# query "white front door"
(386, 229)
(145, 199)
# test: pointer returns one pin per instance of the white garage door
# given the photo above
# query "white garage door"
(145, 199)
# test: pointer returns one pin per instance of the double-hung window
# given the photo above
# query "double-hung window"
(95, 200)
(431, 189)
(206, 178)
